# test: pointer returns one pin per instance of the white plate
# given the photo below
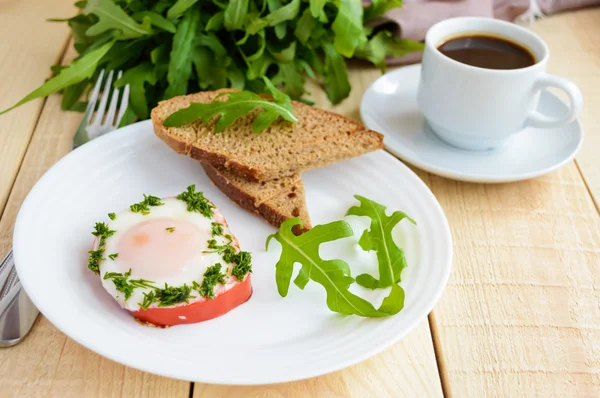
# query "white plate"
(267, 340)
(389, 106)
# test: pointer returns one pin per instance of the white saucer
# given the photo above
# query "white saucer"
(389, 106)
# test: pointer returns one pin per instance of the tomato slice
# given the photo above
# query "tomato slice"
(198, 311)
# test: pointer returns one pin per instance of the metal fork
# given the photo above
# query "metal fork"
(17, 312)
(104, 121)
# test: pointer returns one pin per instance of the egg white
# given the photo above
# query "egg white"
(193, 269)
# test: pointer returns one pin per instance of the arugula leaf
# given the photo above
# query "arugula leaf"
(124, 53)
(79, 70)
(348, 27)
(285, 55)
(137, 77)
(258, 68)
(210, 71)
(156, 20)
(262, 44)
(179, 8)
(337, 85)
(380, 7)
(378, 237)
(291, 78)
(236, 77)
(180, 63)
(305, 26)
(333, 275)
(316, 7)
(284, 13)
(235, 13)
(385, 44)
(215, 22)
(281, 30)
(79, 25)
(72, 94)
(238, 104)
(111, 16)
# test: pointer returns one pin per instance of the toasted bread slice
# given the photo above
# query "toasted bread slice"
(273, 201)
(283, 149)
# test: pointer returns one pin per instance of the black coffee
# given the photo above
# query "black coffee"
(487, 52)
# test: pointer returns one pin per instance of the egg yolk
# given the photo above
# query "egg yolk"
(160, 248)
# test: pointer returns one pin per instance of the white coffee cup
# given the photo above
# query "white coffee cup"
(476, 108)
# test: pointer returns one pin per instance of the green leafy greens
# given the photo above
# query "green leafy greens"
(167, 48)
(334, 275)
(237, 105)
(378, 237)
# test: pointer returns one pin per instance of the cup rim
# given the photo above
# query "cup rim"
(433, 46)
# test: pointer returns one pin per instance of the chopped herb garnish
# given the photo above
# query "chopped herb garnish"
(217, 229)
(94, 260)
(120, 281)
(113, 256)
(243, 260)
(126, 286)
(143, 206)
(240, 271)
(244, 265)
(101, 229)
(112, 216)
(171, 295)
(171, 229)
(212, 244)
(149, 299)
(142, 283)
(212, 276)
(229, 255)
(196, 202)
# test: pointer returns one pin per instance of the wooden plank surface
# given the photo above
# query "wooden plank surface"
(29, 46)
(521, 313)
(574, 41)
(406, 369)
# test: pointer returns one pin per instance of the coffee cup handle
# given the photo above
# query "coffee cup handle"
(536, 119)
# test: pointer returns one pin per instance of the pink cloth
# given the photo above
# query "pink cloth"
(416, 16)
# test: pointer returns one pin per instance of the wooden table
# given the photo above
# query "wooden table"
(520, 315)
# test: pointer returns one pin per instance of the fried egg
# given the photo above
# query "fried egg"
(166, 246)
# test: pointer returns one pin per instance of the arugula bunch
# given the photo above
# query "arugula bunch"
(335, 275)
(173, 47)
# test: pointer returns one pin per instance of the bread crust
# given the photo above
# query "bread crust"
(237, 166)
(246, 201)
